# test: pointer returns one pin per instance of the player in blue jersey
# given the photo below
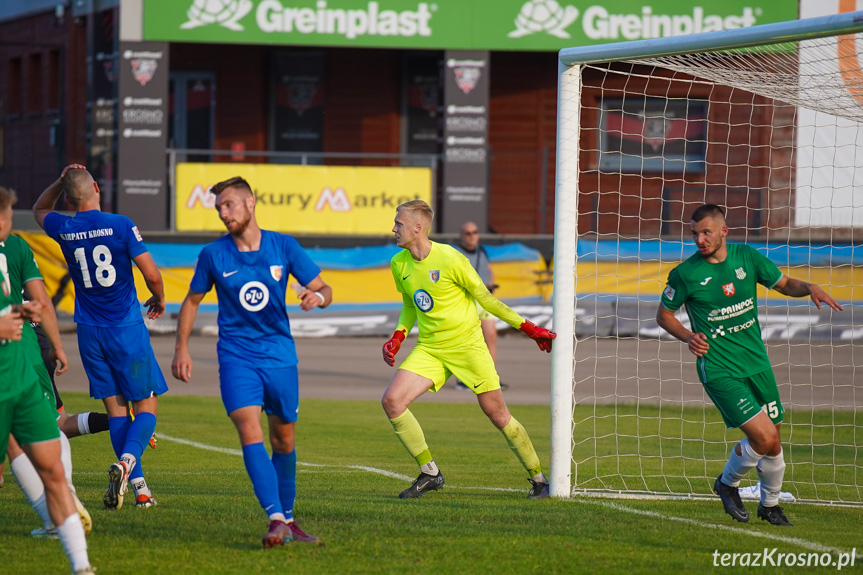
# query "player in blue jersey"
(112, 338)
(257, 357)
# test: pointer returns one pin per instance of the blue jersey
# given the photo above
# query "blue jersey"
(99, 249)
(251, 287)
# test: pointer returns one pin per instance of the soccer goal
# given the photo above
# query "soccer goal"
(766, 122)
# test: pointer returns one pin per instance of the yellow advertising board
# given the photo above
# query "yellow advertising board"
(303, 199)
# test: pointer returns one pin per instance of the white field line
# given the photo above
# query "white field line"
(812, 546)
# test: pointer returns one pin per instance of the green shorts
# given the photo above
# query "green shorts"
(28, 417)
(483, 313)
(45, 385)
(739, 399)
(471, 363)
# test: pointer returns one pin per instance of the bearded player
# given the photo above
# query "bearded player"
(718, 287)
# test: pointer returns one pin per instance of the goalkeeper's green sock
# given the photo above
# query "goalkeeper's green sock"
(518, 440)
(410, 433)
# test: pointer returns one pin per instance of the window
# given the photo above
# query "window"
(652, 135)
(2, 135)
(15, 86)
(53, 92)
(34, 83)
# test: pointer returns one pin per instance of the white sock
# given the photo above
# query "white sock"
(739, 466)
(540, 478)
(130, 460)
(31, 484)
(84, 423)
(140, 487)
(771, 470)
(280, 516)
(66, 458)
(430, 468)
(74, 542)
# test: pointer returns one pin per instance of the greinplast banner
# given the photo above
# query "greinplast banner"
(449, 24)
(303, 199)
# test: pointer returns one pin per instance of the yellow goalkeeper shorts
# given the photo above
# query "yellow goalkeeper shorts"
(470, 362)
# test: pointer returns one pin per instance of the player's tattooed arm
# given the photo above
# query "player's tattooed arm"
(798, 288)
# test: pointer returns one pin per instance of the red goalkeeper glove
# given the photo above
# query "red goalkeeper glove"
(540, 335)
(391, 347)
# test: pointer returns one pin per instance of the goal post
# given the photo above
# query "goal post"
(767, 122)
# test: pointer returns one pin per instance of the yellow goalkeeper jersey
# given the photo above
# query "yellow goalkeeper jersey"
(438, 294)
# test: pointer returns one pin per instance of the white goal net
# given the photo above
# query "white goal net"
(647, 131)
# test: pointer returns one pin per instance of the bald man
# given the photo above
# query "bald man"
(468, 244)
(113, 340)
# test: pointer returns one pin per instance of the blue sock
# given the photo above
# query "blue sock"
(138, 436)
(118, 428)
(263, 476)
(286, 471)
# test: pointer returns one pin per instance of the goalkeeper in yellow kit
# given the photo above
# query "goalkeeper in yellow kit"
(438, 287)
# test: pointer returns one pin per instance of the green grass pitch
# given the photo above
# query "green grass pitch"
(351, 470)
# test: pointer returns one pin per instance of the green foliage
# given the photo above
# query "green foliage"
(208, 520)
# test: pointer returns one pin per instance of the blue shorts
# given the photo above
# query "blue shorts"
(274, 388)
(120, 361)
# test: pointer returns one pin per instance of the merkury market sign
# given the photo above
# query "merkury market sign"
(448, 24)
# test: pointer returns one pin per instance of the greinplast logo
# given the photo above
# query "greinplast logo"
(272, 16)
(600, 23)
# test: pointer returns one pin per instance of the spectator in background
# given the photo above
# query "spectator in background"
(469, 245)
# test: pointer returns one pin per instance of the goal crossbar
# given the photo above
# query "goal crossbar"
(764, 34)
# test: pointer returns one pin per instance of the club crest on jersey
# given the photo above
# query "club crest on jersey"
(434, 275)
(276, 272)
(728, 289)
(740, 273)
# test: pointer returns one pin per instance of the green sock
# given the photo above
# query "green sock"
(410, 433)
(519, 442)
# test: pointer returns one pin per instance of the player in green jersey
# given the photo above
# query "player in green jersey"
(25, 280)
(25, 413)
(438, 287)
(718, 286)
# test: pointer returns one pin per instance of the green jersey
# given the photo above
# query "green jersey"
(438, 294)
(22, 268)
(721, 301)
(16, 372)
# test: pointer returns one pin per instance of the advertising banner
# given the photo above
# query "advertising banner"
(521, 25)
(142, 191)
(298, 109)
(466, 153)
(303, 199)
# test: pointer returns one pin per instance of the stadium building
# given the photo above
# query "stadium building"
(452, 101)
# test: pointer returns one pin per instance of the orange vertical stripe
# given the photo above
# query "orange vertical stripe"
(849, 65)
